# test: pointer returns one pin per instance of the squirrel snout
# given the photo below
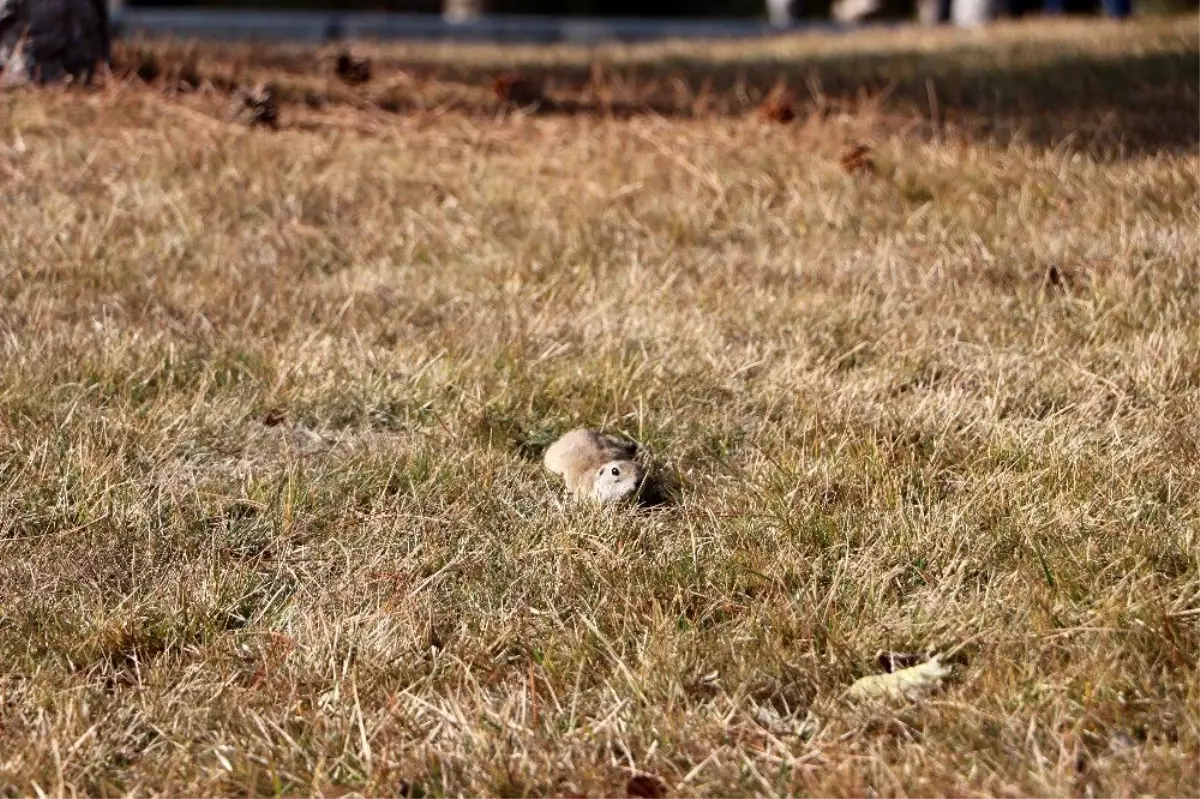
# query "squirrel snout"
(617, 480)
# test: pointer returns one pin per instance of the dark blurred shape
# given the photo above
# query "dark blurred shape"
(857, 160)
(645, 786)
(590, 8)
(48, 40)
(516, 90)
(351, 70)
(148, 68)
(779, 106)
(257, 106)
(273, 417)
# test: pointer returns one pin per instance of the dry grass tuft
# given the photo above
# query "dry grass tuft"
(272, 519)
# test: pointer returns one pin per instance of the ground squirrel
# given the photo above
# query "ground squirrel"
(595, 465)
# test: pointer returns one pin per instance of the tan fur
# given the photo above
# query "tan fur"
(595, 465)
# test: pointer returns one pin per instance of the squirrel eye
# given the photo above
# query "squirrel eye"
(616, 472)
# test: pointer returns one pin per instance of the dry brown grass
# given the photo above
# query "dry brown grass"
(949, 399)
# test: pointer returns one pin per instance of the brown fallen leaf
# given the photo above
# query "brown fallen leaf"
(645, 786)
(513, 89)
(189, 77)
(778, 106)
(257, 106)
(1053, 276)
(273, 417)
(857, 159)
(353, 70)
(148, 68)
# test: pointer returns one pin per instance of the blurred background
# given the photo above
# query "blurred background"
(780, 13)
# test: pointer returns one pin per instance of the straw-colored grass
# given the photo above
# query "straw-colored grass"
(942, 395)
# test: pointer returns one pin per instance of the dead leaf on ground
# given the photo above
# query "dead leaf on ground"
(353, 70)
(645, 786)
(778, 106)
(912, 684)
(857, 160)
(273, 417)
(1061, 278)
(514, 89)
(148, 68)
(1054, 276)
(257, 106)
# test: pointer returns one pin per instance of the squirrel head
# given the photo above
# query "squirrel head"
(617, 480)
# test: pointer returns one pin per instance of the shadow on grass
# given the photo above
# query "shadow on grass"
(1127, 104)
(1121, 103)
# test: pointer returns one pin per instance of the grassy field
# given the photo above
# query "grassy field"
(272, 403)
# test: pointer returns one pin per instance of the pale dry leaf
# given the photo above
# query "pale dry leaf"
(913, 683)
